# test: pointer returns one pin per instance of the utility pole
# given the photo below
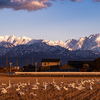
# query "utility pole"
(32, 61)
(27, 62)
(16, 61)
(35, 66)
(6, 61)
(10, 66)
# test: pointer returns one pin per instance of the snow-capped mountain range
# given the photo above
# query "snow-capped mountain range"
(84, 43)
(86, 48)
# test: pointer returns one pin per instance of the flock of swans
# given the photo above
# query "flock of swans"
(20, 87)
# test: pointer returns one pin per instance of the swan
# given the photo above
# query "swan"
(44, 85)
(25, 90)
(3, 84)
(80, 87)
(35, 87)
(71, 85)
(21, 93)
(18, 89)
(65, 88)
(33, 94)
(29, 82)
(37, 82)
(4, 90)
(57, 87)
(90, 86)
(61, 83)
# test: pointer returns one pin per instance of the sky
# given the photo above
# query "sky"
(50, 19)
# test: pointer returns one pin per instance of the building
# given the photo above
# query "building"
(68, 68)
(86, 65)
(81, 64)
(97, 64)
(14, 67)
(50, 62)
(2, 69)
(29, 68)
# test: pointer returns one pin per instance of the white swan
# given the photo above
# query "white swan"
(65, 88)
(3, 84)
(33, 94)
(21, 93)
(4, 90)
(57, 87)
(37, 83)
(90, 86)
(18, 89)
(28, 82)
(35, 87)
(44, 86)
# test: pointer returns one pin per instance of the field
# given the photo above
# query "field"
(50, 88)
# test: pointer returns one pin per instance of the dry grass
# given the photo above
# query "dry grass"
(51, 93)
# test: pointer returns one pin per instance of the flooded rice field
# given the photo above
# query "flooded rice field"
(49, 88)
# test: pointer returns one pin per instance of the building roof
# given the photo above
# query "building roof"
(50, 60)
(67, 67)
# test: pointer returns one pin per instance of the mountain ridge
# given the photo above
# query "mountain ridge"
(91, 42)
(85, 48)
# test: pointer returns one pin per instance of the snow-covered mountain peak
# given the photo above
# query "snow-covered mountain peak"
(98, 39)
(45, 41)
(71, 41)
(24, 37)
(4, 38)
(56, 43)
(14, 40)
(59, 41)
(85, 43)
(82, 39)
(94, 36)
(91, 42)
(34, 41)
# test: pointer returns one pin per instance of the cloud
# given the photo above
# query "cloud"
(96, 0)
(30, 5)
(76, 0)
(25, 4)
